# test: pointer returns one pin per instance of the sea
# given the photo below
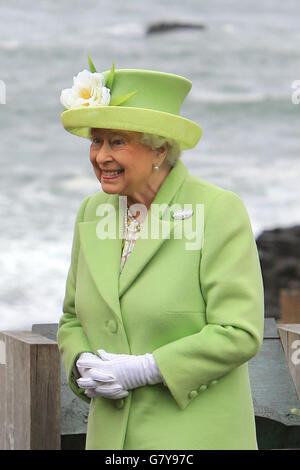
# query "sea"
(245, 69)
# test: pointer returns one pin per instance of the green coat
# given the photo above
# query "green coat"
(200, 312)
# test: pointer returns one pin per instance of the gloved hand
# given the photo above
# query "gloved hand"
(106, 385)
(109, 356)
(155, 370)
(130, 371)
(113, 391)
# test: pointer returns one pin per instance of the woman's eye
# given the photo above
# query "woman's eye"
(113, 143)
(95, 140)
(117, 142)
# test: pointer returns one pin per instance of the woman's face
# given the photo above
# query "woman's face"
(121, 163)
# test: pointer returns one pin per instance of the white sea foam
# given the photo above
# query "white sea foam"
(90, 185)
(242, 67)
(125, 30)
(225, 97)
(10, 45)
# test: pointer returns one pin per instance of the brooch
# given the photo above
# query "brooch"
(183, 214)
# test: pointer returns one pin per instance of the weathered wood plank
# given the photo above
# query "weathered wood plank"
(289, 300)
(30, 392)
(293, 327)
(74, 411)
(290, 339)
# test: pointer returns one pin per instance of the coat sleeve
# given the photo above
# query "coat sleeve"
(71, 338)
(231, 284)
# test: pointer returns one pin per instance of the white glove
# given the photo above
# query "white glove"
(155, 370)
(158, 378)
(106, 385)
(130, 371)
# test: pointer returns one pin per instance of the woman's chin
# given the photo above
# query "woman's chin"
(109, 189)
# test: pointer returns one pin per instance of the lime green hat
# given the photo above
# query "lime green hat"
(129, 99)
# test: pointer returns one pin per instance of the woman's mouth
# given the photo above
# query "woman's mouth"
(111, 175)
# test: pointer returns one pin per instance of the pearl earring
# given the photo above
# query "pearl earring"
(156, 167)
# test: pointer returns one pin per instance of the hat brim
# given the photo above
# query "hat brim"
(79, 121)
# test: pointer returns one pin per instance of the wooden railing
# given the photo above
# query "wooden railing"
(290, 340)
(38, 411)
(30, 392)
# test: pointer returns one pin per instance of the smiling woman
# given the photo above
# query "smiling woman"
(156, 336)
(124, 165)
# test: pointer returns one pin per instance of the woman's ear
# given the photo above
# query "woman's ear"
(162, 151)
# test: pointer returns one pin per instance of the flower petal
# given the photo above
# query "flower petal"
(67, 97)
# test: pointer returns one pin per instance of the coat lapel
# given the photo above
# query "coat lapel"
(146, 248)
(103, 256)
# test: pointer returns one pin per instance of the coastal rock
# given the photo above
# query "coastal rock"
(279, 252)
(169, 26)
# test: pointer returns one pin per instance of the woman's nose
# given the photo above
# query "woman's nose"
(104, 153)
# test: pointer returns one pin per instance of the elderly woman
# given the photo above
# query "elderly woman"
(164, 296)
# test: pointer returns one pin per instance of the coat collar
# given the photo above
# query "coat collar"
(103, 256)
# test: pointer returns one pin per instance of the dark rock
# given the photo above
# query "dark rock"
(166, 26)
(279, 252)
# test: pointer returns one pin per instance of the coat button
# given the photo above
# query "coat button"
(112, 326)
(202, 388)
(120, 403)
(193, 394)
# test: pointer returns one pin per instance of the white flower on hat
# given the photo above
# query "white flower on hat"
(88, 90)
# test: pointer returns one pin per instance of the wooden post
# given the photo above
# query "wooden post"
(290, 339)
(289, 300)
(30, 392)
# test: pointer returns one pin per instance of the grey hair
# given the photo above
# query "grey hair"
(155, 141)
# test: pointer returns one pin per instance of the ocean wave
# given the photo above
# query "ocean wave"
(81, 183)
(125, 30)
(219, 98)
(10, 45)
